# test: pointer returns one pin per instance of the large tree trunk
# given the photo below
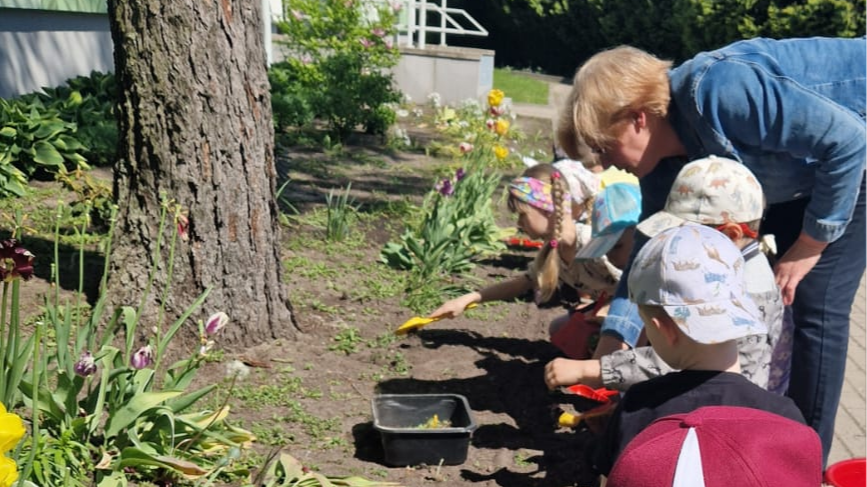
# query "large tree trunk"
(195, 126)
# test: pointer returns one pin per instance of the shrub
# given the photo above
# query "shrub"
(34, 139)
(339, 53)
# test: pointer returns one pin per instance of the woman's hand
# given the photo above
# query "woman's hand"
(455, 307)
(797, 262)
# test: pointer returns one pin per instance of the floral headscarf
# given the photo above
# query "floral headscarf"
(534, 192)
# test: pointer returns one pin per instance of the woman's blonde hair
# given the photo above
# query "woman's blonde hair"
(606, 89)
(546, 267)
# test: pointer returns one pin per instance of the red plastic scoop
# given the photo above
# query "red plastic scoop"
(602, 394)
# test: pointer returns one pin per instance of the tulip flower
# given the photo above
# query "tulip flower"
(142, 358)
(495, 97)
(15, 261)
(183, 224)
(501, 127)
(8, 471)
(85, 366)
(465, 147)
(445, 187)
(216, 322)
(11, 432)
(460, 174)
(500, 152)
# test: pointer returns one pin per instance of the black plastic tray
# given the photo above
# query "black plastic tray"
(397, 418)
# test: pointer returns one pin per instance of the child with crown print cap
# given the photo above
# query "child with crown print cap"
(688, 283)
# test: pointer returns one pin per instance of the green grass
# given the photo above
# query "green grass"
(521, 88)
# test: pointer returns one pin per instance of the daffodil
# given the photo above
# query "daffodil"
(501, 127)
(495, 97)
(11, 430)
(500, 152)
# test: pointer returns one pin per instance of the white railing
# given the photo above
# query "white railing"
(417, 24)
(412, 23)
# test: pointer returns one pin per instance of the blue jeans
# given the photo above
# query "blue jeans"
(823, 303)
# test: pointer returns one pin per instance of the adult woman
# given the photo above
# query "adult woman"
(791, 112)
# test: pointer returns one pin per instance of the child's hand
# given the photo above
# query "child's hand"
(454, 307)
(566, 372)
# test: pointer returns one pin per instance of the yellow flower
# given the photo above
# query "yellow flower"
(501, 127)
(495, 97)
(11, 430)
(8, 471)
(501, 152)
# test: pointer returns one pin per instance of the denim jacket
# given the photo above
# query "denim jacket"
(791, 110)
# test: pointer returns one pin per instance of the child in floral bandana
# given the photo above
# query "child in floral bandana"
(545, 203)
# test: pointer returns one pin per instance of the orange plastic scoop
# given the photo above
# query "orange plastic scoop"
(414, 323)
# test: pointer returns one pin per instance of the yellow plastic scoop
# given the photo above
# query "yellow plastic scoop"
(417, 322)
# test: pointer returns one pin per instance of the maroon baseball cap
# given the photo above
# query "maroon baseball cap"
(721, 446)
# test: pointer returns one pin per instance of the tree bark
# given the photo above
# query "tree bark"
(195, 126)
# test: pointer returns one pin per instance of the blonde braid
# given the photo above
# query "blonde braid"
(547, 261)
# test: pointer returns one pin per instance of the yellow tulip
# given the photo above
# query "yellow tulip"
(501, 126)
(501, 152)
(8, 471)
(11, 430)
(495, 97)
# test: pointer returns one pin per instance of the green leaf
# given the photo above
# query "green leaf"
(8, 131)
(180, 321)
(116, 479)
(130, 412)
(46, 154)
(49, 130)
(181, 403)
(134, 457)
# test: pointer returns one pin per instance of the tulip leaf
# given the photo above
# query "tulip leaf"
(131, 411)
(134, 457)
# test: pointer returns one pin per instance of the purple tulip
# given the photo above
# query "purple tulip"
(216, 322)
(85, 366)
(460, 174)
(142, 358)
(15, 261)
(446, 188)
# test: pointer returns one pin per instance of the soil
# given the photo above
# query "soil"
(493, 355)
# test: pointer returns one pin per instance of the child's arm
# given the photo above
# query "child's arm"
(567, 372)
(509, 289)
(623, 369)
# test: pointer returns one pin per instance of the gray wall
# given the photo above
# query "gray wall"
(45, 48)
(456, 73)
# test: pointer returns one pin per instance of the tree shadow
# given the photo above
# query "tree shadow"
(511, 384)
(75, 268)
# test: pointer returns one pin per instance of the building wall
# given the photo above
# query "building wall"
(45, 48)
(42, 48)
(456, 73)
